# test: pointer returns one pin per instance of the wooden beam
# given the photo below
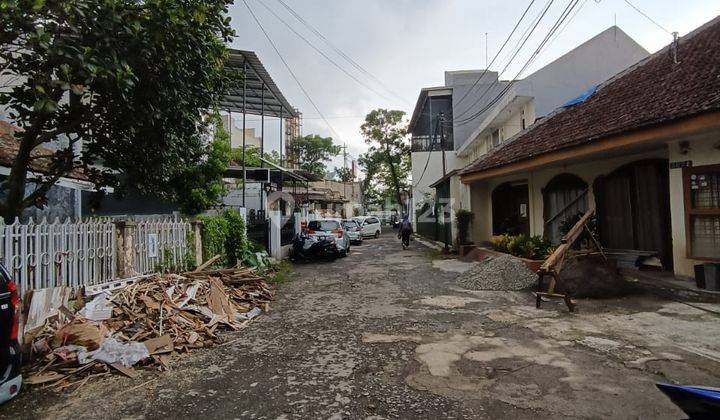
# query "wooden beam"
(684, 127)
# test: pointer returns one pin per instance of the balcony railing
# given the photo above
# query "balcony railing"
(428, 144)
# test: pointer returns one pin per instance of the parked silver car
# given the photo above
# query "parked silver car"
(323, 228)
(353, 230)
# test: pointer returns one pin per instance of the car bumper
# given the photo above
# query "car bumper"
(10, 388)
(355, 237)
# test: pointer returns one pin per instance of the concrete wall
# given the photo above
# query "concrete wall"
(421, 182)
(703, 151)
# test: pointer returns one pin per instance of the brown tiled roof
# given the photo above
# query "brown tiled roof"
(9, 147)
(654, 91)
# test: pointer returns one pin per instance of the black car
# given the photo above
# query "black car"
(10, 379)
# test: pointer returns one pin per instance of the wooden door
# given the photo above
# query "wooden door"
(511, 209)
(633, 208)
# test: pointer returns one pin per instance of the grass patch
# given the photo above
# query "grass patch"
(282, 273)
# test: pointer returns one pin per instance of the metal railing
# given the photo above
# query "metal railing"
(74, 254)
(429, 144)
(161, 243)
(85, 253)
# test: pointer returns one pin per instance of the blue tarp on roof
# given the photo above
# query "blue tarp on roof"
(582, 98)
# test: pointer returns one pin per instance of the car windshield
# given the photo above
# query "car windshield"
(324, 225)
(350, 224)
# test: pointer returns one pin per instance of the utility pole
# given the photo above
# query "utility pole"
(344, 147)
(442, 140)
(486, 50)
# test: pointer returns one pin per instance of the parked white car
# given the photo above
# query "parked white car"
(322, 228)
(370, 226)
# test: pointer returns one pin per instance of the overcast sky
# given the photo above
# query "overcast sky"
(408, 44)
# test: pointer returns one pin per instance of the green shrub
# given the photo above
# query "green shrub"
(225, 235)
(535, 247)
(500, 243)
(517, 245)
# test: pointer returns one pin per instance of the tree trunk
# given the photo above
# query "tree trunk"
(17, 181)
(393, 175)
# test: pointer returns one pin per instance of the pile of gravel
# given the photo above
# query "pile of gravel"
(501, 272)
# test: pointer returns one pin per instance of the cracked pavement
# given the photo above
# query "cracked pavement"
(385, 333)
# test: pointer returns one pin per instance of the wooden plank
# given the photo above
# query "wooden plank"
(207, 263)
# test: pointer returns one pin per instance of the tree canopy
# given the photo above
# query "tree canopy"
(313, 152)
(111, 87)
(387, 161)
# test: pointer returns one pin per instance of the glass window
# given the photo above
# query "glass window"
(324, 225)
(702, 211)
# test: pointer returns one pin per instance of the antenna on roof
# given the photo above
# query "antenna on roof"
(674, 47)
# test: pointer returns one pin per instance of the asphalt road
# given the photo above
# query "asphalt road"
(387, 333)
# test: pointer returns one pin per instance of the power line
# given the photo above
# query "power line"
(554, 28)
(647, 17)
(339, 51)
(287, 66)
(564, 15)
(321, 52)
(526, 35)
(567, 23)
(487, 66)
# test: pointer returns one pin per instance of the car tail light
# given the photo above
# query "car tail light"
(15, 302)
(310, 232)
(338, 232)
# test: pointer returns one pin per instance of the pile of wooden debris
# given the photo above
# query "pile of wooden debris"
(144, 323)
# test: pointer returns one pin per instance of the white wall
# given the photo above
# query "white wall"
(704, 151)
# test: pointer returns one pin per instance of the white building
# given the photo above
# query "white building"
(474, 112)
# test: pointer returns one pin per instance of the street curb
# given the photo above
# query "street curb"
(428, 243)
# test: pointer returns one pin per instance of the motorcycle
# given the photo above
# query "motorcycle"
(307, 248)
(698, 402)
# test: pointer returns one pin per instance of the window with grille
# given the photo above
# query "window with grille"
(702, 211)
(495, 138)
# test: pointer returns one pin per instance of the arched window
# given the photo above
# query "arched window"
(563, 198)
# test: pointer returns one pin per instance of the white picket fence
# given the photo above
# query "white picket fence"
(76, 254)
(54, 254)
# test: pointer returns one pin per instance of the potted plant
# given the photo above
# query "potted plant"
(463, 218)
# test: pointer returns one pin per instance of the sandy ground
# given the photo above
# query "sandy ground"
(387, 333)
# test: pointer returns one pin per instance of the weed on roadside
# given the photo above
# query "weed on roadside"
(283, 270)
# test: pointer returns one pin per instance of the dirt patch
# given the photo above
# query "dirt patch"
(591, 278)
(452, 265)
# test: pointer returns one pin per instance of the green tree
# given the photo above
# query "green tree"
(387, 161)
(127, 82)
(344, 174)
(313, 152)
(252, 157)
(200, 186)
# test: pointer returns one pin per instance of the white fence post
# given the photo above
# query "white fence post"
(275, 227)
